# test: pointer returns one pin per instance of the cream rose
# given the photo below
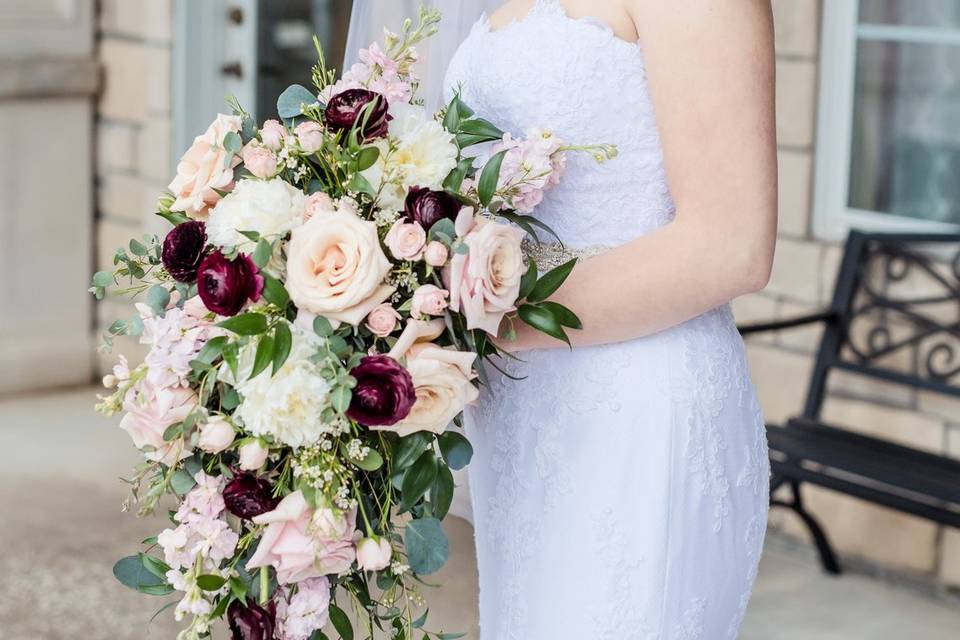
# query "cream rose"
(485, 282)
(205, 169)
(336, 267)
(442, 378)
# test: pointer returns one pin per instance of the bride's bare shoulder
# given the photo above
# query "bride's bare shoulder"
(613, 13)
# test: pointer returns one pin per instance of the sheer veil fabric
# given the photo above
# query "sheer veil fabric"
(370, 17)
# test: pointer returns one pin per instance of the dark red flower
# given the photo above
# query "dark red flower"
(250, 621)
(384, 393)
(226, 285)
(349, 107)
(247, 496)
(429, 207)
(183, 249)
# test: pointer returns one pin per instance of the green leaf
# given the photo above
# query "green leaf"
(230, 399)
(422, 620)
(367, 157)
(155, 589)
(154, 565)
(341, 622)
(481, 128)
(549, 282)
(212, 349)
(441, 494)
(291, 101)
(409, 449)
(210, 582)
(443, 230)
(131, 573)
(340, 398)
(274, 292)
(451, 119)
(360, 184)
(252, 236)
(542, 320)
(263, 253)
(173, 432)
(528, 280)
(455, 178)
(564, 316)
(238, 589)
(451, 636)
(282, 343)
(489, 178)
(372, 462)
(418, 478)
(263, 357)
(527, 223)
(456, 449)
(137, 248)
(158, 298)
(174, 217)
(103, 278)
(182, 482)
(322, 327)
(233, 143)
(427, 546)
(246, 324)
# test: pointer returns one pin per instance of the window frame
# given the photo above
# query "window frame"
(840, 33)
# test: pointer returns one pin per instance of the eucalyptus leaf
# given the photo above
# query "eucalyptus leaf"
(158, 298)
(103, 278)
(456, 449)
(340, 398)
(263, 253)
(182, 481)
(322, 327)
(291, 101)
(233, 143)
(427, 546)
(131, 573)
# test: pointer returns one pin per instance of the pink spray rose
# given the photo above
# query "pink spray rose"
(382, 321)
(429, 300)
(259, 160)
(253, 455)
(301, 542)
(205, 169)
(310, 135)
(485, 282)
(373, 554)
(273, 134)
(216, 436)
(406, 240)
(436, 254)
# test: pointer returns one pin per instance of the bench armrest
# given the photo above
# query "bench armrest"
(827, 315)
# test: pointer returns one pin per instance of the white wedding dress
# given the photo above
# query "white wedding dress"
(618, 492)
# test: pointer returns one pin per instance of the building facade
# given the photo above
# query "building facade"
(866, 94)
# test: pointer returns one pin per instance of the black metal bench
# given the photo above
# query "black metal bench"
(873, 319)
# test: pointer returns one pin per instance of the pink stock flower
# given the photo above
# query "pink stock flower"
(259, 160)
(175, 339)
(531, 166)
(150, 412)
(301, 614)
(204, 501)
(301, 542)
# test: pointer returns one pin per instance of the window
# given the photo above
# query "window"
(888, 151)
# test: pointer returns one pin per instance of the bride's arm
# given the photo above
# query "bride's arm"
(710, 66)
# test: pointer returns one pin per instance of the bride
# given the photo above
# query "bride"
(620, 490)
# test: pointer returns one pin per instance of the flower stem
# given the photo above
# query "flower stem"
(264, 585)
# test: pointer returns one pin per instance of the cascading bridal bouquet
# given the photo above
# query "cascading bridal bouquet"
(318, 316)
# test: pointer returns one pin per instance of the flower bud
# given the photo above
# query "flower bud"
(384, 393)
(346, 109)
(429, 207)
(184, 249)
(253, 455)
(226, 285)
(436, 254)
(250, 621)
(247, 496)
(216, 436)
(373, 554)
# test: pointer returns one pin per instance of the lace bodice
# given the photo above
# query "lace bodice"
(528, 74)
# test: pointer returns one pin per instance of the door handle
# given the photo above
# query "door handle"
(232, 69)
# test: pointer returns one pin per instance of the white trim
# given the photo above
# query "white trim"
(832, 217)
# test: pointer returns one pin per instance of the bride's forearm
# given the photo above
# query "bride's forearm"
(656, 282)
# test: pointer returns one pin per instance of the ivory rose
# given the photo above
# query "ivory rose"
(205, 169)
(442, 379)
(485, 282)
(336, 267)
(150, 412)
(301, 542)
(406, 240)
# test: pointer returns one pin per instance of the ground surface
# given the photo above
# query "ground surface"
(61, 529)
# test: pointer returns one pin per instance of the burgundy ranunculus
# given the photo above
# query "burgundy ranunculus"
(247, 496)
(250, 621)
(429, 207)
(346, 108)
(384, 393)
(183, 249)
(226, 285)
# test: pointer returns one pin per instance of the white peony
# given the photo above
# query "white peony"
(423, 154)
(288, 405)
(270, 207)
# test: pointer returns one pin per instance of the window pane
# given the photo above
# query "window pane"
(905, 156)
(286, 53)
(913, 13)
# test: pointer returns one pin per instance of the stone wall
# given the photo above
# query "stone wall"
(134, 163)
(802, 281)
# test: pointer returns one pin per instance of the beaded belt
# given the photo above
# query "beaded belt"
(549, 255)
